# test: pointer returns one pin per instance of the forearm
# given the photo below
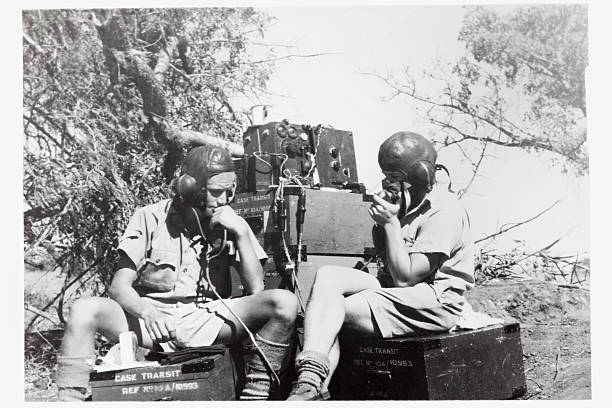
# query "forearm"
(397, 259)
(128, 299)
(251, 271)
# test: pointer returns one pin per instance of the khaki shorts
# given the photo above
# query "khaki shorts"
(413, 310)
(196, 325)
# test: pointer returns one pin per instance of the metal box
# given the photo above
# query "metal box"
(213, 378)
(480, 364)
(298, 148)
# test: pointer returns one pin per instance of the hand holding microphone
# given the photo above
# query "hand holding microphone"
(383, 212)
(389, 196)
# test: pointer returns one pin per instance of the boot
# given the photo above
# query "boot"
(73, 377)
(312, 370)
(260, 383)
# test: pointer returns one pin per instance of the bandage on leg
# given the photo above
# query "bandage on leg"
(73, 377)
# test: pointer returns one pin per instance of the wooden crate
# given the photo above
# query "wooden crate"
(469, 365)
(336, 222)
(212, 378)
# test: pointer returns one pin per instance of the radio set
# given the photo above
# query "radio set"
(319, 156)
(299, 190)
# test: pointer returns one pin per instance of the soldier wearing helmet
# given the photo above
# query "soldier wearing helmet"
(427, 257)
(172, 267)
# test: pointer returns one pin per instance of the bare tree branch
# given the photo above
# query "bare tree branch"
(546, 248)
(518, 224)
(475, 168)
(514, 139)
(72, 282)
(28, 307)
(29, 40)
(42, 236)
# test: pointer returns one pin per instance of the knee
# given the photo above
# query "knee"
(283, 305)
(84, 312)
(326, 278)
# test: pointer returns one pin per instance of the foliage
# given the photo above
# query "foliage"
(89, 158)
(545, 48)
(520, 84)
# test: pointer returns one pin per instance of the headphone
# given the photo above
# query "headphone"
(422, 174)
(184, 185)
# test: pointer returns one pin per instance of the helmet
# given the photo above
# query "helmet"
(200, 164)
(411, 155)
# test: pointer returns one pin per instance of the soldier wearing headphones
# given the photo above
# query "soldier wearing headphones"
(170, 254)
(423, 236)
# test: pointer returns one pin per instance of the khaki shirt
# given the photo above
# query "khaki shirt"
(167, 261)
(440, 225)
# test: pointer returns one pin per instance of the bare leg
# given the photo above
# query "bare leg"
(88, 316)
(75, 360)
(326, 309)
(334, 358)
(358, 319)
(326, 313)
(271, 314)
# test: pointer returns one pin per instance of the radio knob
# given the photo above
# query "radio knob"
(291, 149)
(333, 152)
(335, 165)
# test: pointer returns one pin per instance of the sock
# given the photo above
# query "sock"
(73, 377)
(312, 368)
(259, 379)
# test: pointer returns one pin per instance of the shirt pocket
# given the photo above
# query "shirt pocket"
(159, 271)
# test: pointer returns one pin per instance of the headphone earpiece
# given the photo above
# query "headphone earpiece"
(423, 174)
(185, 185)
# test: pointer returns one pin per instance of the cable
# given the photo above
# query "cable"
(223, 243)
(258, 140)
(285, 158)
(283, 162)
(298, 292)
(280, 191)
(256, 154)
(450, 180)
(214, 290)
(317, 133)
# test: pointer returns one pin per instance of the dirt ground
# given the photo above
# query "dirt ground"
(555, 334)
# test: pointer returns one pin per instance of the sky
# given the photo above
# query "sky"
(333, 89)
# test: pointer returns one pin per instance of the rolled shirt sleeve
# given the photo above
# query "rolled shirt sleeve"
(439, 233)
(134, 241)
